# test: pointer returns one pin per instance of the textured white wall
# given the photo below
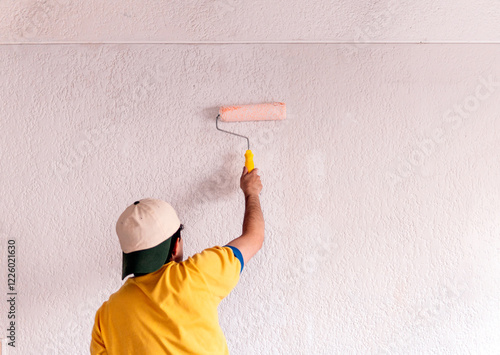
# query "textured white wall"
(239, 20)
(381, 189)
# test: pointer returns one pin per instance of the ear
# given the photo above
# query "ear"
(176, 246)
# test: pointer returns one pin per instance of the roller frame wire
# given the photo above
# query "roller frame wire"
(235, 134)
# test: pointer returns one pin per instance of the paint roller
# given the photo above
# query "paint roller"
(260, 112)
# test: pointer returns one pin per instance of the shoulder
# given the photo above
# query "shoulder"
(100, 312)
(222, 254)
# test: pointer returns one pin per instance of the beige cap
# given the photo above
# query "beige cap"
(145, 224)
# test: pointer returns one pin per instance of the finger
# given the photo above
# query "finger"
(245, 170)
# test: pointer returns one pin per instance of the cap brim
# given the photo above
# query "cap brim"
(145, 261)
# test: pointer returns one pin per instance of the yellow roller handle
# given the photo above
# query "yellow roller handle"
(249, 160)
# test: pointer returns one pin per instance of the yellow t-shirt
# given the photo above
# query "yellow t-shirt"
(170, 311)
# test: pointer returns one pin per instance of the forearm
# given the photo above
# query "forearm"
(253, 222)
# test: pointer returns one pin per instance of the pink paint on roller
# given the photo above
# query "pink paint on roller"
(259, 112)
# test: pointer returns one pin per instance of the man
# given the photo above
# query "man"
(170, 305)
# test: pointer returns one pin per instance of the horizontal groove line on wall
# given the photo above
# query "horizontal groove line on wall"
(254, 42)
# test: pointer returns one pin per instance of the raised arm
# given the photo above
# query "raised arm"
(252, 237)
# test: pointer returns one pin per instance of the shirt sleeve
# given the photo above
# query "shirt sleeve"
(220, 268)
(97, 344)
(238, 255)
